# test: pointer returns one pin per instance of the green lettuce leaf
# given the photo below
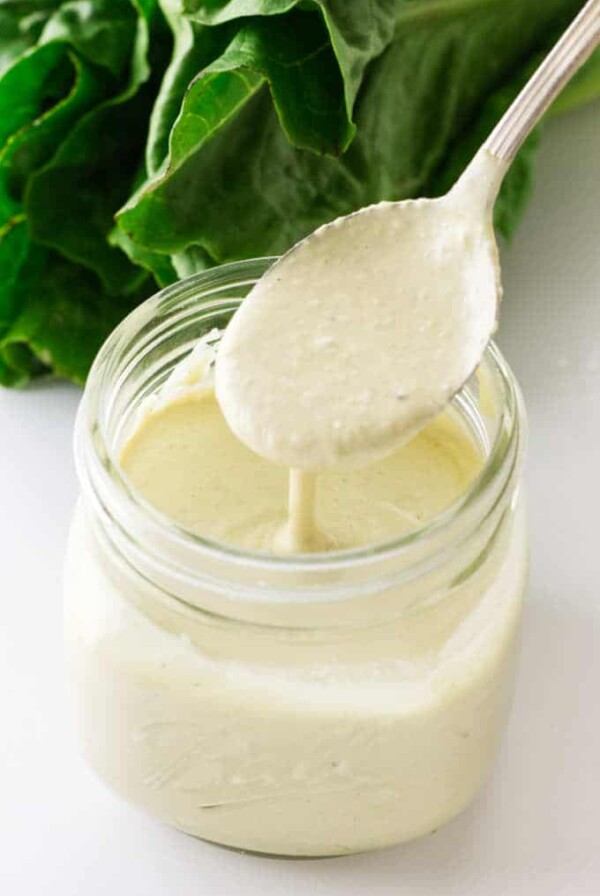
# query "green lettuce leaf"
(21, 23)
(14, 251)
(194, 48)
(102, 32)
(162, 267)
(36, 78)
(224, 129)
(64, 91)
(71, 201)
(55, 87)
(358, 31)
(66, 86)
(233, 183)
(53, 332)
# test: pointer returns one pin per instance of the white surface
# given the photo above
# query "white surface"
(536, 828)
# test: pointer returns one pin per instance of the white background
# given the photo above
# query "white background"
(536, 827)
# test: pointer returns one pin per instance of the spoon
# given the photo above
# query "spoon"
(367, 328)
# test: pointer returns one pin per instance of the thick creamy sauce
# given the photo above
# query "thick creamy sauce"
(287, 745)
(365, 330)
(370, 731)
(184, 459)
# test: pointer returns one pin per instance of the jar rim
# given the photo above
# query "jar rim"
(101, 464)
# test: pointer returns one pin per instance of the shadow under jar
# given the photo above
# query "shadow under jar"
(308, 705)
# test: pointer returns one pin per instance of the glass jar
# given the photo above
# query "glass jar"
(308, 705)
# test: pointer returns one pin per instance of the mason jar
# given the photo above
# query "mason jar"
(307, 705)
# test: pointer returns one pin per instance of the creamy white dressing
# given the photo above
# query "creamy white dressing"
(282, 741)
(366, 329)
(295, 742)
(183, 458)
(263, 743)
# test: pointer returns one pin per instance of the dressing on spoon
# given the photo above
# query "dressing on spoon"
(370, 326)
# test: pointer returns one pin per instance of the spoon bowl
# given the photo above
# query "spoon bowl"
(395, 316)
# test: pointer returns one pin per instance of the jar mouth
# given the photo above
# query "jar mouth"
(215, 293)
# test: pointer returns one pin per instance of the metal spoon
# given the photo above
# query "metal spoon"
(367, 328)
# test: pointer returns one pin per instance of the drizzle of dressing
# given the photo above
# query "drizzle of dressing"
(182, 457)
(300, 533)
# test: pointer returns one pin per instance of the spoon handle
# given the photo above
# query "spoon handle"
(566, 57)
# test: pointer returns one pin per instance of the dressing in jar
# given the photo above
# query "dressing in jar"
(311, 704)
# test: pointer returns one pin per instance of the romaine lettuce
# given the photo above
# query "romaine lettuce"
(141, 140)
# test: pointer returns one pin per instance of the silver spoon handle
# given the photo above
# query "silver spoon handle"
(566, 57)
